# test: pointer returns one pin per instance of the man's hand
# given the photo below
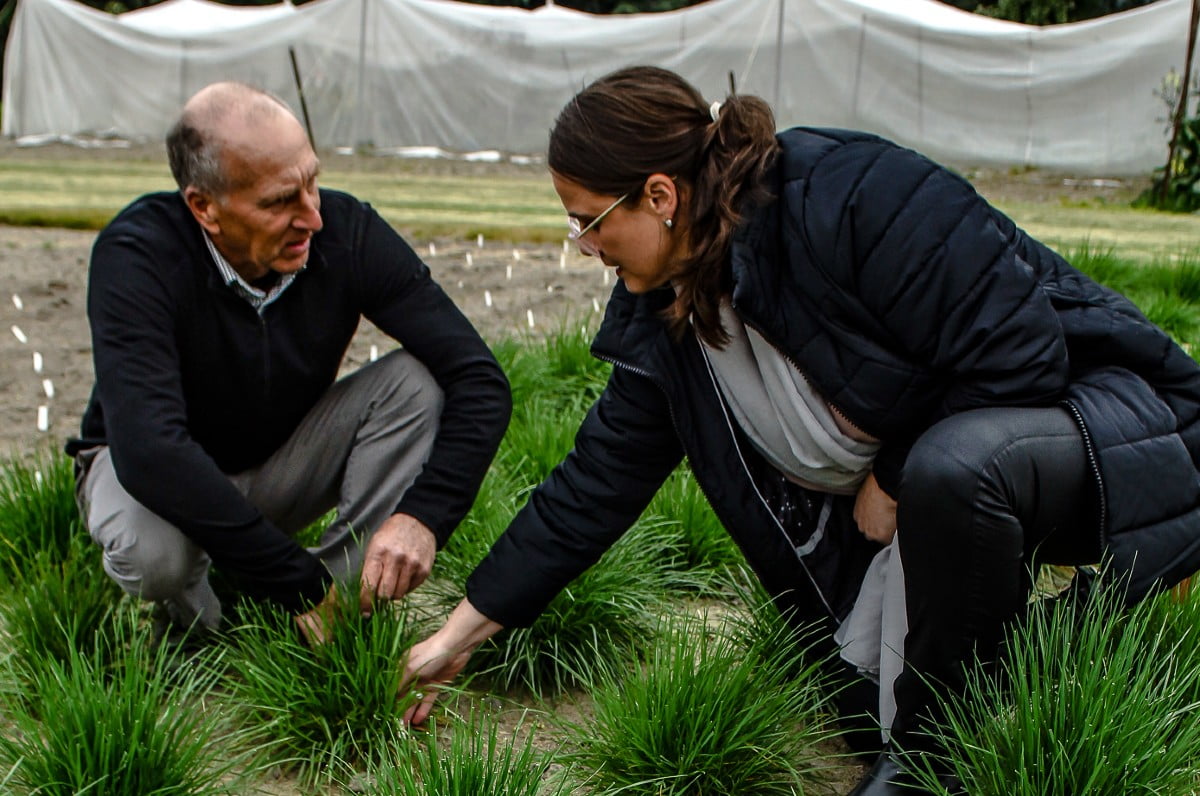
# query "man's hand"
(399, 558)
(875, 512)
(440, 658)
(316, 624)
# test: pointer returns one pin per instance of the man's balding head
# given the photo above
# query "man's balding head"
(217, 117)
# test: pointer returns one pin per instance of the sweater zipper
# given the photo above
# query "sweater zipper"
(1093, 465)
(266, 354)
(675, 424)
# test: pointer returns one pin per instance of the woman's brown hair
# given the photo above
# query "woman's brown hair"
(643, 120)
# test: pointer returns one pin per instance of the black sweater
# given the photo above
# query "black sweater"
(192, 383)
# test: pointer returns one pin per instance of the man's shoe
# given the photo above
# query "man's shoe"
(888, 777)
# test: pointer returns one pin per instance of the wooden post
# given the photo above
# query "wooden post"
(1181, 107)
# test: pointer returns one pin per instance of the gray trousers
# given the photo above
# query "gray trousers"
(358, 449)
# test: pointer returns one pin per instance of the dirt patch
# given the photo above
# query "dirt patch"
(43, 276)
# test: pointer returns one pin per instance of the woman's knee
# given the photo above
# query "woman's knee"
(945, 465)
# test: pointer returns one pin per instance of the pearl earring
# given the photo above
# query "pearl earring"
(669, 223)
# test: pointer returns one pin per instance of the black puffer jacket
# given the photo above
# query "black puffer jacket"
(905, 298)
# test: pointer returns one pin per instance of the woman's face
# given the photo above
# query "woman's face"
(633, 237)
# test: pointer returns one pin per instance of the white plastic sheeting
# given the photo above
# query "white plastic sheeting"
(436, 73)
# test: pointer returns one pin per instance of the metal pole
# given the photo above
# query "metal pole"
(303, 103)
(1181, 108)
(362, 68)
(779, 57)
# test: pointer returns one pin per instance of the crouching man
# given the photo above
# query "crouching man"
(220, 314)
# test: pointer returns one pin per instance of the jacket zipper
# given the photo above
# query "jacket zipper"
(804, 375)
(675, 424)
(1093, 465)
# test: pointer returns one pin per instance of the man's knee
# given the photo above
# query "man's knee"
(413, 393)
(151, 571)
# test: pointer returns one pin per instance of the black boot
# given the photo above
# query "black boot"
(889, 777)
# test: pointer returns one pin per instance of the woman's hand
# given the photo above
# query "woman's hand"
(875, 512)
(441, 657)
(316, 624)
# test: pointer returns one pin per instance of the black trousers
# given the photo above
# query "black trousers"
(984, 493)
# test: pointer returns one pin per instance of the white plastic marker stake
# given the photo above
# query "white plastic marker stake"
(566, 247)
(37, 362)
(549, 288)
(487, 297)
(43, 420)
(507, 273)
(562, 261)
(595, 305)
(470, 262)
(17, 302)
(516, 256)
(479, 240)
(432, 250)
(529, 317)
(374, 353)
(606, 277)
(17, 333)
(48, 388)
(460, 283)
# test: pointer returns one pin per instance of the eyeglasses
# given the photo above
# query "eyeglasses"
(578, 231)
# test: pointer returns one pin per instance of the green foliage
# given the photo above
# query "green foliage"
(1047, 12)
(328, 708)
(1090, 699)
(475, 761)
(704, 716)
(37, 512)
(1030, 12)
(559, 368)
(603, 619)
(1176, 187)
(119, 724)
(61, 608)
(691, 534)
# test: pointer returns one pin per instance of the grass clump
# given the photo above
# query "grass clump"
(705, 716)
(1087, 699)
(702, 549)
(63, 607)
(37, 512)
(106, 723)
(473, 761)
(324, 709)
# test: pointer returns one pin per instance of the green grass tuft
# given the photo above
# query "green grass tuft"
(473, 761)
(121, 724)
(1090, 699)
(37, 512)
(705, 716)
(62, 608)
(324, 709)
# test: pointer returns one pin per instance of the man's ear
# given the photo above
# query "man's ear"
(663, 196)
(204, 209)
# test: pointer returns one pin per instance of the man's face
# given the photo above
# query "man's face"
(265, 221)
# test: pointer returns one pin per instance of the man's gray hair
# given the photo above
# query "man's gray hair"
(194, 142)
(195, 158)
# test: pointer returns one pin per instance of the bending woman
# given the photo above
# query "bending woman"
(890, 394)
